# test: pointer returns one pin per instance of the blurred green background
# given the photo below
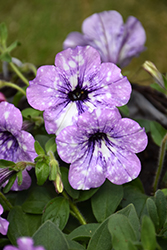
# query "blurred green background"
(42, 25)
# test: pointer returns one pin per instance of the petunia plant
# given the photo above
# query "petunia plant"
(71, 153)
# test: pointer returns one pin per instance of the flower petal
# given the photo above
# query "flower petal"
(74, 39)
(110, 87)
(11, 118)
(3, 226)
(105, 33)
(122, 167)
(133, 42)
(78, 62)
(26, 183)
(41, 93)
(87, 172)
(26, 150)
(129, 135)
(60, 117)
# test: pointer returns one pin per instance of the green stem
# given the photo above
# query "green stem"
(160, 162)
(75, 210)
(12, 85)
(7, 203)
(17, 71)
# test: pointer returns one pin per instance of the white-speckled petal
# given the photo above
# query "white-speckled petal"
(129, 135)
(122, 167)
(58, 118)
(11, 118)
(87, 172)
(43, 88)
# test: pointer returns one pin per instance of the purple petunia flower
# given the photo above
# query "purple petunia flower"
(78, 82)
(116, 42)
(15, 144)
(3, 223)
(101, 145)
(24, 243)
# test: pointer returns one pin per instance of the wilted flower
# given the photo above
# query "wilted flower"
(116, 42)
(24, 243)
(101, 145)
(77, 83)
(3, 223)
(15, 144)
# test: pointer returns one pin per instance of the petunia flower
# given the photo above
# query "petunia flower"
(15, 144)
(3, 223)
(24, 243)
(101, 145)
(105, 31)
(78, 82)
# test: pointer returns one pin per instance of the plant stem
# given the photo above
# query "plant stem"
(7, 203)
(160, 162)
(12, 85)
(17, 71)
(75, 210)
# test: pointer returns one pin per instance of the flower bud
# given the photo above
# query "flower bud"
(154, 72)
(58, 184)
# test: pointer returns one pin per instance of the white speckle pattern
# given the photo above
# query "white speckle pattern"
(101, 145)
(77, 77)
(15, 144)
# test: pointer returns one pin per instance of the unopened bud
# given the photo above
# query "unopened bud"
(58, 184)
(154, 72)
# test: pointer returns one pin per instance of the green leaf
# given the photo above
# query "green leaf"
(42, 139)
(106, 200)
(73, 245)
(37, 199)
(144, 124)
(57, 210)
(19, 178)
(101, 239)
(124, 109)
(130, 213)
(39, 150)
(157, 132)
(121, 231)
(83, 232)
(148, 237)
(131, 246)
(18, 224)
(161, 204)
(4, 164)
(30, 112)
(3, 34)
(51, 145)
(157, 87)
(50, 237)
(10, 183)
(5, 57)
(13, 46)
(86, 194)
(133, 195)
(152, 211)
(42, 172)
(64, 176)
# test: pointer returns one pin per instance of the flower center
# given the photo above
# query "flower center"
(8, 146)
(98, 136)
(78, 94)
